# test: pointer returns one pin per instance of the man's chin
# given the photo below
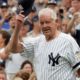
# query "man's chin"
(46, 34)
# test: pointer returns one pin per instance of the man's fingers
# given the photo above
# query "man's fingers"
(20, 17)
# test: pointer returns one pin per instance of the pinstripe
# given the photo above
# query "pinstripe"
(63, 71)
(66, 47)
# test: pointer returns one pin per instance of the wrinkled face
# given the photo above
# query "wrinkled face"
(48, 25)
(2, 77)
(28, 68)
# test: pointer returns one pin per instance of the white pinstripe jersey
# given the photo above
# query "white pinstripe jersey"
(54, 60)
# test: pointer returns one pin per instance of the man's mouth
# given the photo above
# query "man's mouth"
(46, 30)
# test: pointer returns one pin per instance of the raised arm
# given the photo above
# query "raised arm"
(71, 23)
(12, 46)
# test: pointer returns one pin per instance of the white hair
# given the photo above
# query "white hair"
(48, 11)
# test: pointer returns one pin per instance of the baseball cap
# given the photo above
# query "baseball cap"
(3, 5)
(52, 2)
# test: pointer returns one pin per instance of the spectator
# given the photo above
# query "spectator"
(36, 27)
(4, 39)
(28, 67)
(4, 16)
(31, 15)
(73, 28)
(66, 4)
(52, 4)
(24, 30)
(12, 23)
(21, 75)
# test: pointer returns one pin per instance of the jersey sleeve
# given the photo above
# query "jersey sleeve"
(74, 54)
(28, 51)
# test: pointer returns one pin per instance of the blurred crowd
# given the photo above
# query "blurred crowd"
(18, 66)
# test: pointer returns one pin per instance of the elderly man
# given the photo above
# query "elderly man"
(54, 52)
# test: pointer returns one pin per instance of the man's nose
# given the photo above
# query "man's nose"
(44, 25)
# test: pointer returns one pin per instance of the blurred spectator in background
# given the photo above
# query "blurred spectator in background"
(31, 15)
(28, 67)
(4, 39)
(76, 5)
(40, 4)
(13, 6)
(36, 27)
(74, 27)
(12, 23)
(64, 25)
(4, 16)
(24, 30)
(74, 20)
(52, 4)
(12, 3)
(66, 4)
(21, 75)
